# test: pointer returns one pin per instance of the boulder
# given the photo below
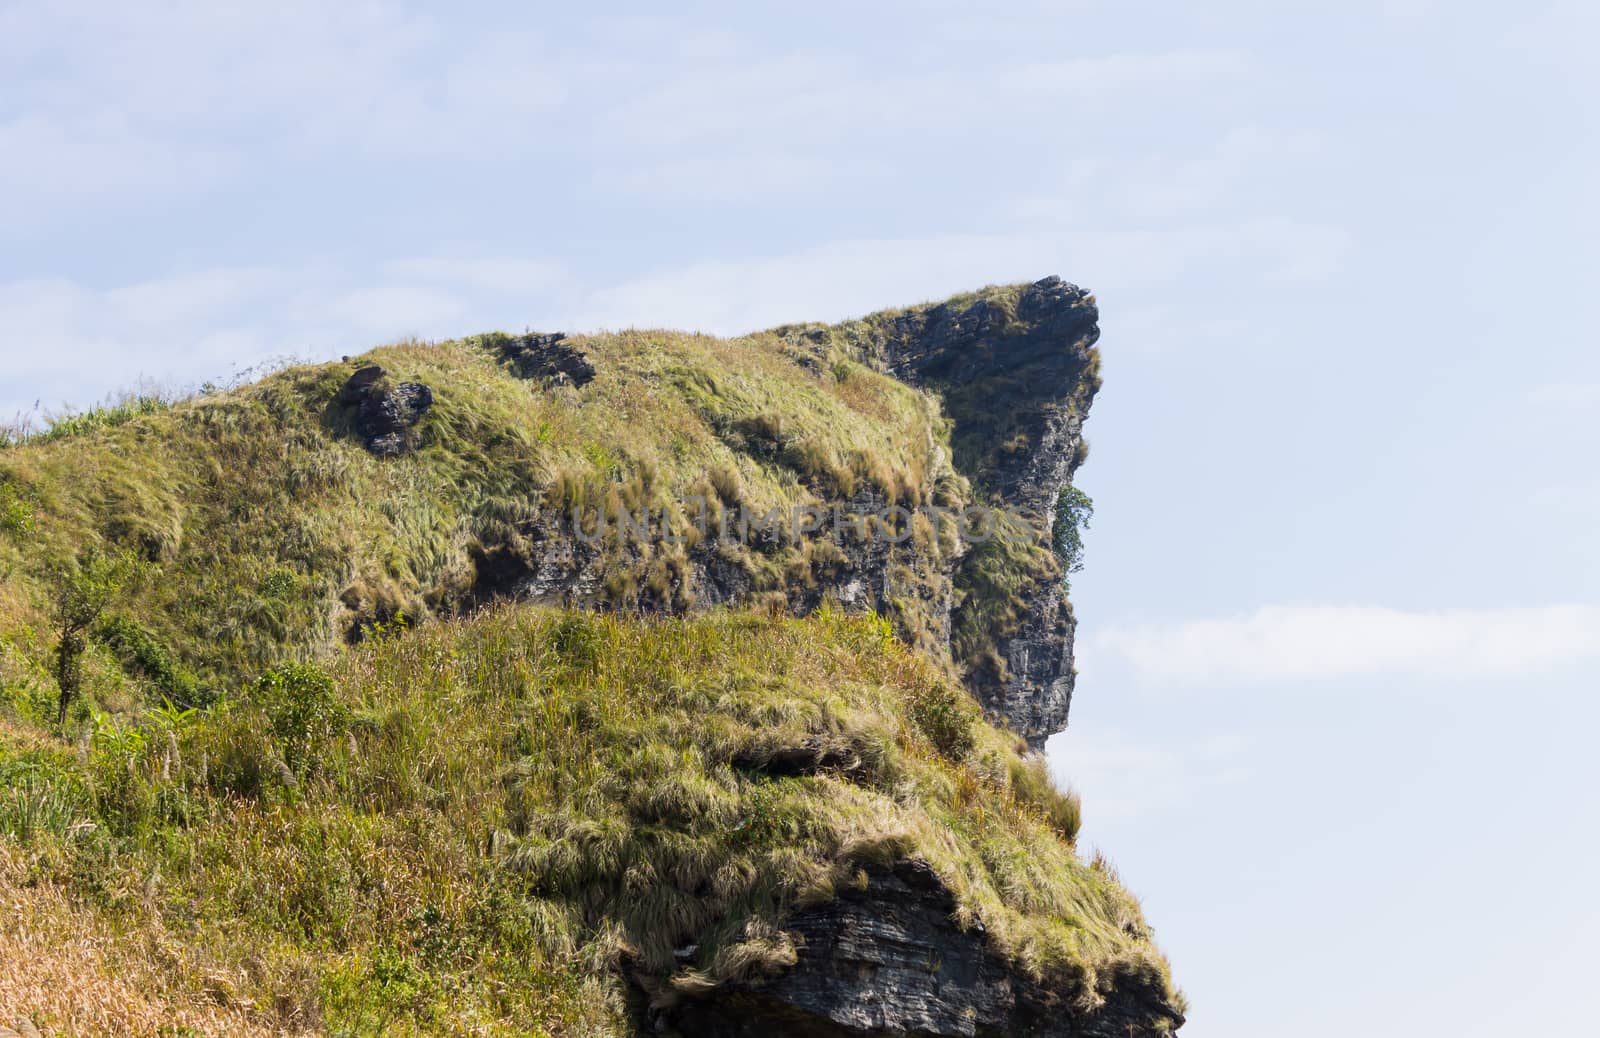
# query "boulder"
(385, 411)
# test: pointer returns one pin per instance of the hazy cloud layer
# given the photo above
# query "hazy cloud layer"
(1289, 644)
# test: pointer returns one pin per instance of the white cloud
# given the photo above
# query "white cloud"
(106, 100)
(507, 274)
(733, 178)
(814, 97)
(1120, 74)
(416, 308)
(1310, 643)
(190, 297)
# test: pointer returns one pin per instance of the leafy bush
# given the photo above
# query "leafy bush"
(302, 711)
(1072, 517)
(945, 715)
(1073, 511)
(81, 589)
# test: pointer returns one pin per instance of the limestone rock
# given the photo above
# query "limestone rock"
(1018, 382)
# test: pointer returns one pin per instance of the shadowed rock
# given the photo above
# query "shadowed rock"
(890, 960)
(385, 411)
(548, 356)
(1017, 376)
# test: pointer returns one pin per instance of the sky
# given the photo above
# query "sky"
(1341, 614)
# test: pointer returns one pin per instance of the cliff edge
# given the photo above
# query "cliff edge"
(637, 682)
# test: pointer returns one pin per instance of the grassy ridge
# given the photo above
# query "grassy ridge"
(468, 829)
(275, 534)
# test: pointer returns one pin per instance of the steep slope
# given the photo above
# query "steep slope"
(672, 809)
(1016, 370)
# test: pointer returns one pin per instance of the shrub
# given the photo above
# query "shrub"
(945, 715)
(1073, 510)
(302, 711)
(80, 592)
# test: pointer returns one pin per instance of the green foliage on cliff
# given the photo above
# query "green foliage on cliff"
(1074, 509)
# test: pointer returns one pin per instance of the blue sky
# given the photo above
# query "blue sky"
(1339, 620)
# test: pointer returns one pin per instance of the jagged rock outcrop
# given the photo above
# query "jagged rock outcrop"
(1017, 375)
(889, 959)
(385, 411)
(547, 356)
(558, 558)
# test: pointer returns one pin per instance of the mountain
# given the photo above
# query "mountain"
(639, 682)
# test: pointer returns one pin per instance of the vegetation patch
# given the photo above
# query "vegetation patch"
(500, 819)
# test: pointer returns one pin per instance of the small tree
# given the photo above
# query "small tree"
(80, 590)
(1073, 510)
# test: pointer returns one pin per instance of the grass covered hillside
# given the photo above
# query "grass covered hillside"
(270, 533)
(299, 738)
(473, 829)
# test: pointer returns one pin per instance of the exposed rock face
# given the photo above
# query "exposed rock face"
(556, 560)
(384, 411)
(889, 960)
(1018, 384)
(1017, 375)
(548, 356)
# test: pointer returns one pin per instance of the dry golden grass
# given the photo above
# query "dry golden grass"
(61, 968)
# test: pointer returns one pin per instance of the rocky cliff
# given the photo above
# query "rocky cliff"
(1017, 372)
(551, 576)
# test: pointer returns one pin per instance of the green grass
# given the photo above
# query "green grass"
(78, 423)
(483, 819)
